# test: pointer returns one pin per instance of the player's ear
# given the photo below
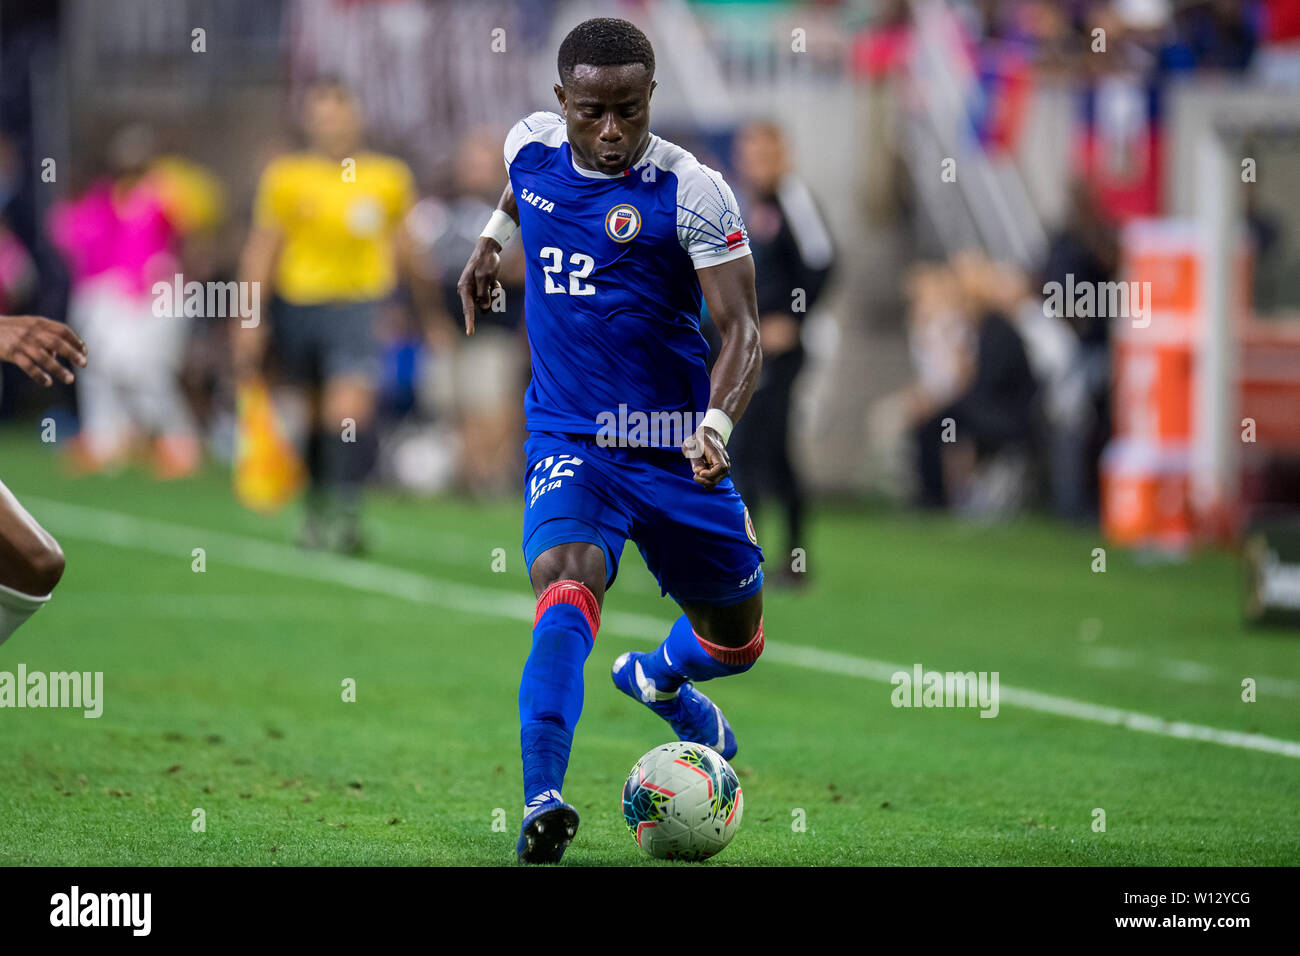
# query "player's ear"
(559, 95)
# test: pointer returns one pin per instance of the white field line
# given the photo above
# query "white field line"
(162, 537)
(1187, 672)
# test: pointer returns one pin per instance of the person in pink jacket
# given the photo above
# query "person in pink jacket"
(118, 240)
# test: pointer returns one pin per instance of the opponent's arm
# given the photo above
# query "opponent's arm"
(479, 277)
(729, 293)
(39, 347)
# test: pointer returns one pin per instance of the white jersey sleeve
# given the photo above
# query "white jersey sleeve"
(709, 226)
(535, 126)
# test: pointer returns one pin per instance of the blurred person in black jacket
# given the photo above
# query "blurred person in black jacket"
(793, 256)
(996, 405)
(1086, 250)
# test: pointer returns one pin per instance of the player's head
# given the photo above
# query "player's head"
(607, 70)
(331, 116)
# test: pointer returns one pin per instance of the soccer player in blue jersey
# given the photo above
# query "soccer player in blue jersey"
(625, 236)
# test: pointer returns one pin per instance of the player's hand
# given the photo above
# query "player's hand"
(478, 280)
(708, 457)
(36, 346)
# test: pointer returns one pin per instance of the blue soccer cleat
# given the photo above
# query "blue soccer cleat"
(547, 830)
(692, 716)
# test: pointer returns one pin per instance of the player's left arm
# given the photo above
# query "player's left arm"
(733, 306)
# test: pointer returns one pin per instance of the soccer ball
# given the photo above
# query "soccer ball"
(682, 801)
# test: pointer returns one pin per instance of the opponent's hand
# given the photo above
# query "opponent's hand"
(478, 279)
(708, 457)
(36, 346)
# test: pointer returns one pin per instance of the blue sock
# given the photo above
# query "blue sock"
(682, 658)
(550, 696)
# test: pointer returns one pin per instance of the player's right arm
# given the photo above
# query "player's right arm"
(36, 345)
(479, 277)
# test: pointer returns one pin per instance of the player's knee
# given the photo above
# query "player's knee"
(584, 563)
(39, 566)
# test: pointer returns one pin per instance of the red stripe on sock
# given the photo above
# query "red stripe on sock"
(735, 656)
(571, 592)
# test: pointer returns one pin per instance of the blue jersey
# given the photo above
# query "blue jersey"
(611, 301)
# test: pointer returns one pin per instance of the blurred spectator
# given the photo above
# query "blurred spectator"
(327, 237)
(992, 419)
(938, 343)
(1087, 248)
(119, 238)
(793, 255)
(478, 380)
(938, 340)
(1008, 375)
(1053, 348)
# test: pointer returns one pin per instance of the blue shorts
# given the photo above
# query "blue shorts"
(699, 544)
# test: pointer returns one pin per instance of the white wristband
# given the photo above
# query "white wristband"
(717, 419)
(499, 227)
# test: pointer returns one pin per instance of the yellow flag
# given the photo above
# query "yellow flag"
(268, 471)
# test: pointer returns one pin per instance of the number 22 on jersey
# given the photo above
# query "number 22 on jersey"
(582, 265)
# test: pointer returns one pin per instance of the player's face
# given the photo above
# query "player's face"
(607, 109)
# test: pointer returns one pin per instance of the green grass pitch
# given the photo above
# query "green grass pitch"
(223, 692)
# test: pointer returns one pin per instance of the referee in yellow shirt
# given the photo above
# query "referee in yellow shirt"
(328, 231)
